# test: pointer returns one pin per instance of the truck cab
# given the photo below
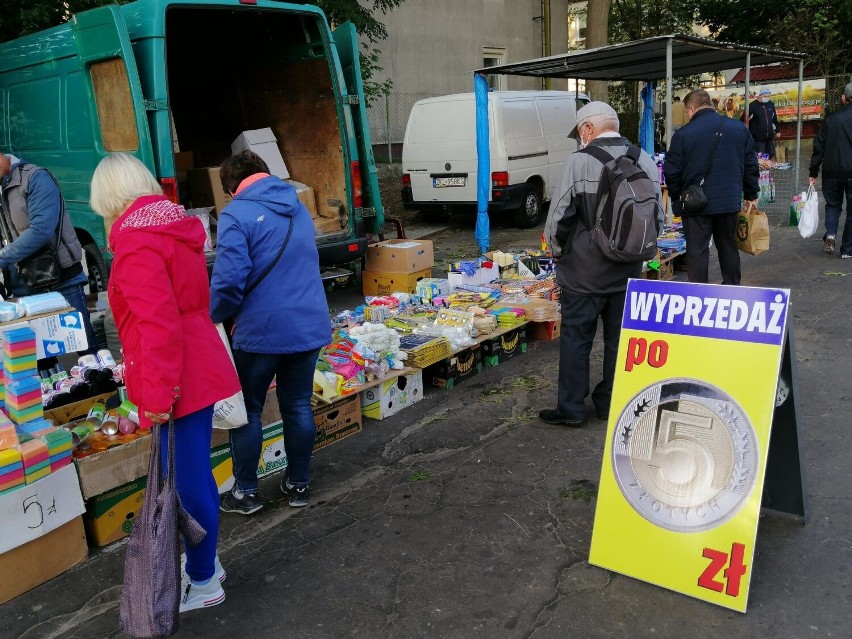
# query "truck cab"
(162, 78)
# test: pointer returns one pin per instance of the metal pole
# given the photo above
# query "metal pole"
(747, 84)
(668, 94)
(387, 129)
(548, 82)
(799, 128)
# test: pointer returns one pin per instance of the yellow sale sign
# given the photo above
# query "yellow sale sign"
(688, 436)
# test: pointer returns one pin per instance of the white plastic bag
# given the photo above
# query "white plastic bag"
(810, 213)
(230, 412)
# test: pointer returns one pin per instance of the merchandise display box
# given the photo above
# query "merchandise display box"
(431, 287)
(504, 347)
(400, 256)
(110, 516)
(56, 333)
(262, 142)
(272, 456)
(338, 420)
(32, 511)
(484, 275)
(392, 395)
(42, 559)
(104, 471)
(381, 283)
(665, 273)
(68, 413)
(543, 331)
(454, 370)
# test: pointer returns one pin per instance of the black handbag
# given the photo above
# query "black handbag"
(693, 199)
(42, 270)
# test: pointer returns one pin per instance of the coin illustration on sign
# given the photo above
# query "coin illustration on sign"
(684, 455)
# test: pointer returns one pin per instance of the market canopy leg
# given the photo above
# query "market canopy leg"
(483, 165)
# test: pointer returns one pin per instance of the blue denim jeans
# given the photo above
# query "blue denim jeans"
(834, 191)
(295, 375)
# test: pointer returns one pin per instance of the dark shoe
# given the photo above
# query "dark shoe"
(549, 416)
(829, 245)
(245, 505)
(299, 497)
(603, 415)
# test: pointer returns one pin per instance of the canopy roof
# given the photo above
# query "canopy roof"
(645, 60)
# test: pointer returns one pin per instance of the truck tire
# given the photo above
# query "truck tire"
(96, 268)
(527, 215)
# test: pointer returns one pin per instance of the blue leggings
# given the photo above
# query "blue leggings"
(196, 485)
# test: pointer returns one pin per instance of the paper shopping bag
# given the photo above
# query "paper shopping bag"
(752, 230)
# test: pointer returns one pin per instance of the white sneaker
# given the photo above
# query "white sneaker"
(195, 596)
(218, 570)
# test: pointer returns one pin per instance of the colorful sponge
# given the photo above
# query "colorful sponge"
(8, 436)
(23, 400)
(36, 459)
(19, 354)
(11, 469)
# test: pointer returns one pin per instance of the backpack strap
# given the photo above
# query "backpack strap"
(598, 153)
(604, 158)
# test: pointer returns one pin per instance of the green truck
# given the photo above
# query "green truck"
(167, 80)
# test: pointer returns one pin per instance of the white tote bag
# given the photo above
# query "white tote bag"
(809, 221)
(230, 412)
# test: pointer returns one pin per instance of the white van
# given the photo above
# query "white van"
(529, 144)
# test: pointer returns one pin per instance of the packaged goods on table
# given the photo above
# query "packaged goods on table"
(424, 350)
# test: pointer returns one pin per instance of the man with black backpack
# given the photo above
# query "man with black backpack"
(603, 223)
(710, 167)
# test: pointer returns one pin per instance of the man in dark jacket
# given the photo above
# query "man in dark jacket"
(732, 175)
(31, 206)
(763, 123)
(833, 151)
(592, 285)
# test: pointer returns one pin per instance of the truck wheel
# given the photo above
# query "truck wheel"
(96, 268)
(527, 215)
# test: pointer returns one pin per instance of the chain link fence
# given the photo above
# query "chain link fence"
(387, 117)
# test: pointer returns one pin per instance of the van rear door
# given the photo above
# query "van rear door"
(111, 81)
(370, 208)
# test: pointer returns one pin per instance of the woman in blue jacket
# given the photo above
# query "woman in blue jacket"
(267, 279)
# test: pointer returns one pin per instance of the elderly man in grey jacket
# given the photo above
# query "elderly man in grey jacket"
(592, 285)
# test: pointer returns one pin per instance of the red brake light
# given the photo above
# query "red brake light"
(357, 191)
(170, 189)
(406, 181)
(499, 179)
(248, 1)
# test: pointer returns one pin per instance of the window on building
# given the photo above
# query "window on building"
(494, 57)
(577, 27)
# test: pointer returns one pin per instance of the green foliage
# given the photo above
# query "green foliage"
(22, 18)
(636, 19)
(820, 28)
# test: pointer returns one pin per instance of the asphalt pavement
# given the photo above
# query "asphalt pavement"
(464, 516)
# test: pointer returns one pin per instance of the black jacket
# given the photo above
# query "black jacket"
(833, 146)
(762, 120)
(734, 173)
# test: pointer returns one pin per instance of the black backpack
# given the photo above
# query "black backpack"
(625, 227)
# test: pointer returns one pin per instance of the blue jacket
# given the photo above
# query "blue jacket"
(288, 311)
(734, 174)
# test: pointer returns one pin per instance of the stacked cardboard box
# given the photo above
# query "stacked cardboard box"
(397, 266)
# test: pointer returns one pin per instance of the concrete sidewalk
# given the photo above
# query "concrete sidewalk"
(464, 516)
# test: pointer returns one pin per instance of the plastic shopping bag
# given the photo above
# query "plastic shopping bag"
(229, 412)
(810, 213)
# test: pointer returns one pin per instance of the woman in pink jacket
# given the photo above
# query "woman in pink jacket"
(175, 362)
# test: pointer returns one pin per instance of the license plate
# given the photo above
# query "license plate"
(441, 182)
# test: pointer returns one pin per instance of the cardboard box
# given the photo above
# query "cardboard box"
(110, 516)
(452, 371)
(484, 275)
(205, 188)
(42, 559)
(66, 414)
(543, 331)
(375, 283)
(104, 471)
(306, 196)
(431, 287)
(665, 273)
(272, 456)
(56, 334)
(338, 420)
(392, 395)
(400, 256)
(505, 346)
(184, 161)
(36, 509)
(326, 225)
(262, 142)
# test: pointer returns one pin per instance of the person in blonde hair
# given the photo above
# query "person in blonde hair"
(176, 366)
